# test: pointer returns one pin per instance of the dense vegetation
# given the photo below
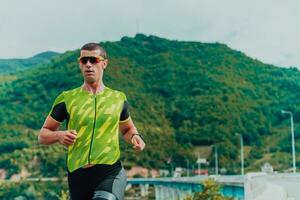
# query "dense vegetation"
(182, 95)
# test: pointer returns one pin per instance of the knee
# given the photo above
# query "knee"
(104, 195)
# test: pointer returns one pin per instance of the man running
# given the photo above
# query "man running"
(94, 116)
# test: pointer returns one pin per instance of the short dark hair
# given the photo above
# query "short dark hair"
(95, 46)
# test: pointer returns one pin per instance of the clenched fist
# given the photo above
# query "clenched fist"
(67, 137)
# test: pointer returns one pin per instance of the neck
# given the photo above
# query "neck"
(94, 87)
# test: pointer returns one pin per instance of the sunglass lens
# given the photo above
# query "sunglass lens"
(84, 60)
(92, 60)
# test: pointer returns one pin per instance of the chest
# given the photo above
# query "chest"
(85, 111)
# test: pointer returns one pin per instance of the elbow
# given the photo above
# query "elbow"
(41, 138)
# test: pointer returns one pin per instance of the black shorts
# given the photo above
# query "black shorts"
(98, 182)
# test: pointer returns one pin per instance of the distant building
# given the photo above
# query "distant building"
(2, 174)
(223, 170)
(178, 171)
(163, 172)
(200, 172)
(138, 171)
(267, 168)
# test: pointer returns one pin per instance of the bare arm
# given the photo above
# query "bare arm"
(49, 133)
(130, 132)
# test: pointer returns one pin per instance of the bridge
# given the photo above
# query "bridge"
(170, 188)
(179, 188)
(253, 186)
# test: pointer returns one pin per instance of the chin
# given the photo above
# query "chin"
(90, 80)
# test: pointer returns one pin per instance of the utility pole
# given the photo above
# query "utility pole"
(199, 164)
(188, 168)
(216, 160)
(293, 138)
(242, 152)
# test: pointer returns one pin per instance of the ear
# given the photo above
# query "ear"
(105, 63)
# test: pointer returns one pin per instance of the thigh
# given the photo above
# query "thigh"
(80, 193)
(112, 187)
(80, 186)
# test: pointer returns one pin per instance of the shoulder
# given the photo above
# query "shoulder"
(64, 94)
(72, 91)
(116, 93)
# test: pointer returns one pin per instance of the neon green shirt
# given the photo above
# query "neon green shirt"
(96, 118)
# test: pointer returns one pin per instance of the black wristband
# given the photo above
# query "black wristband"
(138, 135)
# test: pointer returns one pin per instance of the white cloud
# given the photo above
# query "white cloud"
(267, 29)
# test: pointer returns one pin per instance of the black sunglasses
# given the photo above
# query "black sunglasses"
(93, 60)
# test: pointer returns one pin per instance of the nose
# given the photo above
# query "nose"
(88, 63)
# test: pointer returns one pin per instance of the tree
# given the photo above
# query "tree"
(211, 191)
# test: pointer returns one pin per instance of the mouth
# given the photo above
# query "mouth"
(89, 72)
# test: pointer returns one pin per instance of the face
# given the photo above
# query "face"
(92, 65)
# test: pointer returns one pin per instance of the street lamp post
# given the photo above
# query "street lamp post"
(199, 164)
(216, 160)
(293, 138)
(188, 168)
(169, 161)
(242, 153)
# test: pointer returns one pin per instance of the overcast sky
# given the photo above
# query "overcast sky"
(268, 30)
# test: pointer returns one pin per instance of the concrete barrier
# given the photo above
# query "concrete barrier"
(260, 186)
(255, 185)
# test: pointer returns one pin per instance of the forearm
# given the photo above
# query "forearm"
(131, 135)
(128, 133)
(47, 136)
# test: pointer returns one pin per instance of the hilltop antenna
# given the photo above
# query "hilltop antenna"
(137, 25)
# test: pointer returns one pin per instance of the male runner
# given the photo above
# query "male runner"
(94, 116)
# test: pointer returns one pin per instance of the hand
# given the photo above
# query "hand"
(138, 143)
(67, 137)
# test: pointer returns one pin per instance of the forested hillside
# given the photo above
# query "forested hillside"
(182, 95)
(13, 65)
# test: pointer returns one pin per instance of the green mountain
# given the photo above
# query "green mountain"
(182, 94)
(13, 65)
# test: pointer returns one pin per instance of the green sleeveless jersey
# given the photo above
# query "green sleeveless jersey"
(96, 118)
